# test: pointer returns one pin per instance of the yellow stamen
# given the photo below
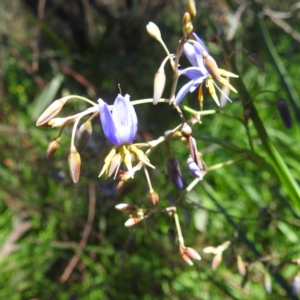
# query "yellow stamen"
(200, 97)
(225, 82)
(107, 161)
(212, 90)
(226, 73)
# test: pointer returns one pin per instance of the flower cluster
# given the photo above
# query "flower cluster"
(120, 125)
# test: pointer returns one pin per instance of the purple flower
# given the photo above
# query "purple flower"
(196, 76)
(194, 169)
(175, 173)
(120, 125)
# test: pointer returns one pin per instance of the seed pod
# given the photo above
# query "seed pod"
(53, 146)
(159, 84)
(285, 114)
(74, 164)
(153, 198)
(175, 173)
(53, 110)
(84, 135)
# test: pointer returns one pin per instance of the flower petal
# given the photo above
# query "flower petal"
(108, 124)
(190, 54)
(183, 91)
(193, 74)
(125, 120)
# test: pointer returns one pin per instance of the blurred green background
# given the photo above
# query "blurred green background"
(60, 240)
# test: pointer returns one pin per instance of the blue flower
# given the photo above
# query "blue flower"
(194, 169)
(120, 125)
(196, 76)
(203, 67)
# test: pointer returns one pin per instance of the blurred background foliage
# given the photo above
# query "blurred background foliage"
(61, 240)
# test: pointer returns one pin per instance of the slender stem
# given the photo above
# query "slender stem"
(148, 179)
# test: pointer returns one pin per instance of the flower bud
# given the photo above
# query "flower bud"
(186, 130)
(125, 207)
(74, 164)
(186, 18)
(133, 220)
(59, 122)
(191, 8)
(153, 198)
(53, 146)
(159, 84)
(216, 261)
(53, 110)
(296, 285)
(194, 169)
(175, 173)
(268, 283)
(285, 114)
(186, 258)
(84, 135)
(192, 253)
(154, 31)
(241, 266)
(187, 29)
(211, 66)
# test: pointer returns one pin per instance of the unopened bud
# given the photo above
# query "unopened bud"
(74, 164)
(241, 266)
(154, 31)
(187, 29)
(159, 84)
(175, 173)
(268, 283)
(255, 60)
(211, 66)
(191, 8)
(153, 198)
(53, 146)
(84, 135)
(192, 253)
(285, 114)
(121, 186)
(296, 285)
(133, 221)
(216, 261)
(59, 122)
(186, 130)
(186, 18)
(125, 207)
(186, 258)
(53, 110)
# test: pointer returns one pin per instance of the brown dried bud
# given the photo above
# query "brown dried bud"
(53, 146)
(125, 207)
(74, 164)
(191, 8)
(186, 18)
(84, 135)
(53, 110)
(159, 84)
(153, 198)
(285, 114)
(186, 130)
